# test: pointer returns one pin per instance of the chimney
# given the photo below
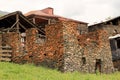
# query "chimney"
(48, 10)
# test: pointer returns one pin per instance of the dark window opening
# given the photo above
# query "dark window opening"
(113, 44)
(83, 60)
(98, 65)
(40, 39)
(118, 43)
(23, 42)
(115, 22)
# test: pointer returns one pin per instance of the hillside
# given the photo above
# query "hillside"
(3, 13)
(10, 71)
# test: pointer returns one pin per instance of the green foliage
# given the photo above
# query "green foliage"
(11, 71)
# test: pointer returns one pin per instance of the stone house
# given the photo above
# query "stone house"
(74, 53)
(112, 26)
(50, 40)
(46, 17)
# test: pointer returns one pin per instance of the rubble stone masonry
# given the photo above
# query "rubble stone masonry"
(90, 47)
(113, 29)
(64, 48)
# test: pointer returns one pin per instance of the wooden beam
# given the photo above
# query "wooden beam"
(40, 17)
(13, 25)
(22, 26)
(32, 24)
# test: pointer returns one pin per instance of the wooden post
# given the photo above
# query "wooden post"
(34, 20)
(17, 25)
(49, 21)
(111, 23)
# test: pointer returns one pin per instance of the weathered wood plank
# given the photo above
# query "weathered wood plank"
(7, 55)
(5, 50)
(5, 47)
(5, 59)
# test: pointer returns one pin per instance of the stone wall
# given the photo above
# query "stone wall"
(97, 47)
(63, 48)
(112, 30)
(72, 55)
(92, 46)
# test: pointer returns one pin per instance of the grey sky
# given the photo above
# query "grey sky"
(84, 10)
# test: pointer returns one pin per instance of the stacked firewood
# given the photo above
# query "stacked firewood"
(51, 52)
(12, 39)
(87, 39)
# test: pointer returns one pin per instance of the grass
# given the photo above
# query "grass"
(11, 71)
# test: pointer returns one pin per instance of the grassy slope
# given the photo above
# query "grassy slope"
(10, 71)
(0, 15)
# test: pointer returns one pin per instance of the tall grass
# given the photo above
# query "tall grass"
(11, 71)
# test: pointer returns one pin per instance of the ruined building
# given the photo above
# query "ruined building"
(112, 27)
(42, 38)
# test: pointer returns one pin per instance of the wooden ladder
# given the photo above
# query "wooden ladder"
(5, 53)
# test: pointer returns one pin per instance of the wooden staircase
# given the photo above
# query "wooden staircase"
(5, 53)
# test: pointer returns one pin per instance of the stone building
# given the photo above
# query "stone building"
(46, 16)
(50, 40)
(87, 52)
(112, 27)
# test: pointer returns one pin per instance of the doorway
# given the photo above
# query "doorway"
(98, 65)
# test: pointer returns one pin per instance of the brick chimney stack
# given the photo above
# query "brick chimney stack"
(48, 10)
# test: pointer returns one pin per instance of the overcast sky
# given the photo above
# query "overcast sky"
(84, 10)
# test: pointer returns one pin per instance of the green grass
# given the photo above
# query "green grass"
(11, 71)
